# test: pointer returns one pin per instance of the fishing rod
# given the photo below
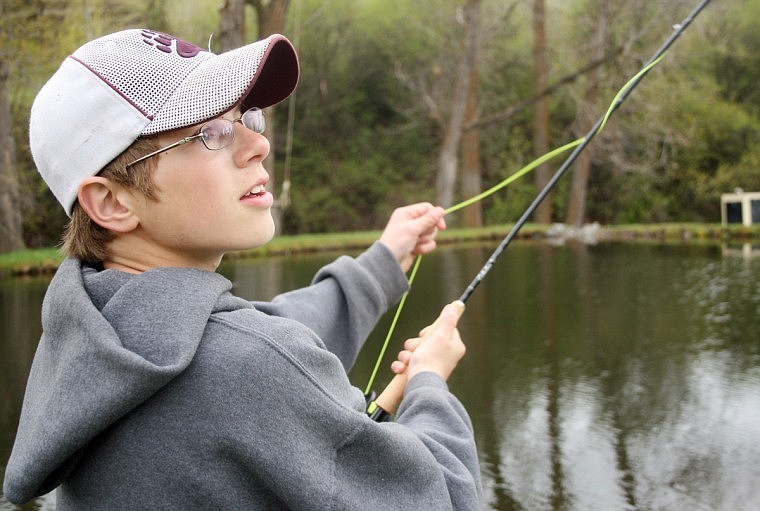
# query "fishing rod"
(382, 407)
(678, 30)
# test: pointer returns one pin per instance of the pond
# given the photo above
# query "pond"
(611, 376)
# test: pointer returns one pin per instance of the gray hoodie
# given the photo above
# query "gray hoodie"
(165, 391)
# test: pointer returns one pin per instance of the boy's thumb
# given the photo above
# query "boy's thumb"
(454, 310)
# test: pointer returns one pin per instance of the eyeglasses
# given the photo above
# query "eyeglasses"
(217, 133)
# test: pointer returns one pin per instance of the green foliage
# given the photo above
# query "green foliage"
(735, 61)
(744, 174)
(353, 184)
(509, 206)
(376, 76)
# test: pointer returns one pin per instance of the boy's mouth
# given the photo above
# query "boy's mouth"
(256, 191)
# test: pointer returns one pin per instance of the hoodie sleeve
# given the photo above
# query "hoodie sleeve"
(317, 448)
(427, 459)
(345, 300)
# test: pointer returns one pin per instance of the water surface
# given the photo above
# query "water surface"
(614, 376)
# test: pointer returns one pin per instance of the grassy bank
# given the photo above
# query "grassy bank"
(41, 261)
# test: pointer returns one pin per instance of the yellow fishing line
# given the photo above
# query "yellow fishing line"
(517, 175)
(514, 177)
(417, 262)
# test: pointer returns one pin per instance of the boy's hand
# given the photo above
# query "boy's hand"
(438, 349)
(411, 231)
(399, 365)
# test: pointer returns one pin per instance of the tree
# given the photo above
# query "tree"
(13, 16)
(232, 24)
(270, 19)
(11, 232)
(449, 155)
(543, 214)
(576, 206)
(382, 88)
(471, 168)
(271, 15)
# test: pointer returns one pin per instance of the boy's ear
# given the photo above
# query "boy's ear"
(107, 204)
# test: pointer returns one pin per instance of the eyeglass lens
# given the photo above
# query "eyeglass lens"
(220, 133)
(217, 134)
(253, 119)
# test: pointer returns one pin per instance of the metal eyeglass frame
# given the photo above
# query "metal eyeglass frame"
(253, 119)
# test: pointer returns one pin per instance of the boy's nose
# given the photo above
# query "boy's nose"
(249, 146)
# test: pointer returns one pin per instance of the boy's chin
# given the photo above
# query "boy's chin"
(263, 235)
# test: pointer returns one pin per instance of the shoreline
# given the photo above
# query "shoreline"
(45, 261)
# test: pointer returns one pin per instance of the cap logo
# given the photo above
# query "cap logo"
(163, 43)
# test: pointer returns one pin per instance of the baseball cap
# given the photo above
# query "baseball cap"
(139, 82)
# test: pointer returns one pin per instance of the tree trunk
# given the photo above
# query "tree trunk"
(232, 24)
(576, 206)
(520, 106)
(472, 216)
(271, 17)
(11, 227)
(448, 158)
(543, 214)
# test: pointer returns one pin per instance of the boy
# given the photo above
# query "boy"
(153, 387)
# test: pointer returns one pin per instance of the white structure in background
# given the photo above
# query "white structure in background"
(740, 207)
(559, 233)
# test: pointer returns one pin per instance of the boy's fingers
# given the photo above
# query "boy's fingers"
(428, 217)
(404, 356)
(398, 367)
(412, 344)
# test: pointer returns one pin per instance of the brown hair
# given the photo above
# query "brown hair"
(86, 240)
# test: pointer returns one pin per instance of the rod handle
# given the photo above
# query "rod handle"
(390, 397)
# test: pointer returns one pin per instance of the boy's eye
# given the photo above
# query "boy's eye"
(217, 133)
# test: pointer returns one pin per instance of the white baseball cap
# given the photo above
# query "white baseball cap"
(140, 82)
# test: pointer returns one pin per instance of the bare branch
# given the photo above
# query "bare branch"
(410, 84)
(522, 105)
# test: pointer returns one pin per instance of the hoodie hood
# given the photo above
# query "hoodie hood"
(101, 354)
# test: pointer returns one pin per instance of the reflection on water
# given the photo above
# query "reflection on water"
(746, 249)
(636, 384)
(605, 377)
